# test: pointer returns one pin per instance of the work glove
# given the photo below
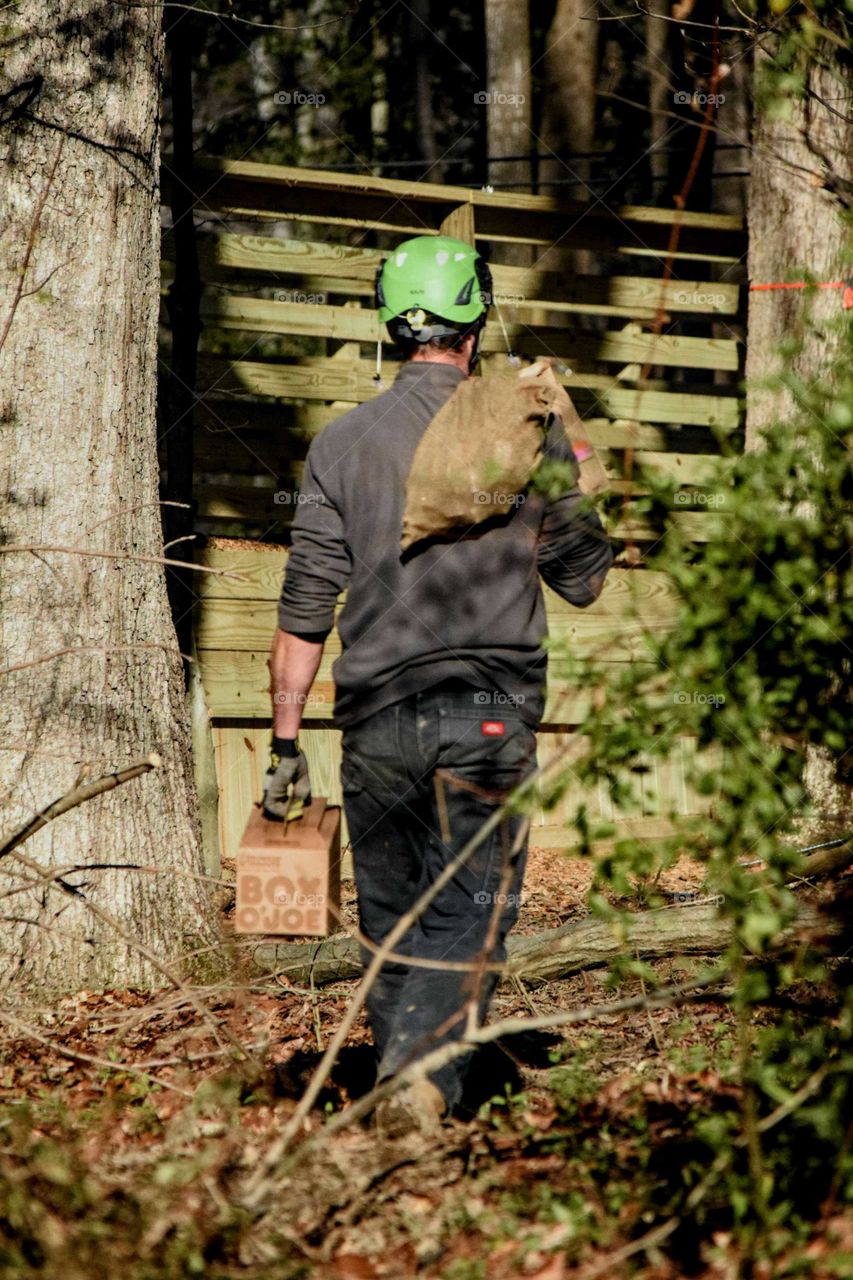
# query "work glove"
(287, 786)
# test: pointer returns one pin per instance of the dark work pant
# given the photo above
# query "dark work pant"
(419, 779)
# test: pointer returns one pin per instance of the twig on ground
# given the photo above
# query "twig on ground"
(525, 994)
(217, 1027)
(79, 1056)
(652, 1027)
(439, 1057)
(315, 1004)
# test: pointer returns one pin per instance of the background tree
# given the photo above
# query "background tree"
(92, 673)
(509, 85)
(570, 76)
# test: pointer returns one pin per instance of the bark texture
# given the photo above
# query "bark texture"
(570, 65)
(509, 88)
(80, 262)
(801, 188)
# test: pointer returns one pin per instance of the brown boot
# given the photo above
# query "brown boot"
(416, 1108)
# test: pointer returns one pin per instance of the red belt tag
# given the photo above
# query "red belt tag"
(493, 728)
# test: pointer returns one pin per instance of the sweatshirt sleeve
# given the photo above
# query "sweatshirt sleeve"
(319, 563)
(574, 550)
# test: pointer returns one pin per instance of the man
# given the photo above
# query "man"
(439, 687)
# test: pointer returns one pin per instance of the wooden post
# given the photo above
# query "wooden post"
(204, 768)
(459, 223)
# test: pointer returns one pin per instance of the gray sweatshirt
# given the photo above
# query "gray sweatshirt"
(468, 610)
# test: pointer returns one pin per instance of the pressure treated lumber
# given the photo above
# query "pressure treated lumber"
(545, 957)
(353, 382)
(648, 593)
(236, 684)
(638, 604)
(360, 324)
(242, 187)
(295, 424)
(323, 267)
(255, 506)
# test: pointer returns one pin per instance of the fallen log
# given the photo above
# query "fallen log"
(557, 953)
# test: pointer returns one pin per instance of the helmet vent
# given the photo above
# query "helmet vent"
(463, 297)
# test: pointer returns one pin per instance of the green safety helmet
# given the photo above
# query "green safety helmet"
(431, 287)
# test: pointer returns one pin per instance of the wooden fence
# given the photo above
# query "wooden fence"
(289, 343)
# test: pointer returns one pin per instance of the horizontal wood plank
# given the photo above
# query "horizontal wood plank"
(236, 686)
(277, 457)
(359, 324)
(292, 425)
(353, 382)
(646, 593)
(255, 514)
(325, 268)
(246, 187)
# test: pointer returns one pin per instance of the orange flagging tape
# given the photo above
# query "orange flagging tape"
(846, 285)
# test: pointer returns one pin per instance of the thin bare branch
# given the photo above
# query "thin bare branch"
(77, 1055)
(25, 262)
(77, 796)
(125, 555)
(90, 648)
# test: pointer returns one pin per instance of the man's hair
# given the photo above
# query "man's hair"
(447, 342)
(408, 346)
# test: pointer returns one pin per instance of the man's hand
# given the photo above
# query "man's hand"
(287, 786)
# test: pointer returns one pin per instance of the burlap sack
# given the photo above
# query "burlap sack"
(478, 454)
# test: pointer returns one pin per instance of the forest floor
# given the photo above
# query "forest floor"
(129, 1127)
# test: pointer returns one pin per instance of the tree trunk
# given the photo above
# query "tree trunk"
(570, 73)
(795, 225)
(421, 42)
(183, 302)
(800, 188)
(79, 351)
(570, 66)
(509, 92)
(658, 66)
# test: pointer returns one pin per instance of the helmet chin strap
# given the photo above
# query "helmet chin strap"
(510, 354)
(377, 377)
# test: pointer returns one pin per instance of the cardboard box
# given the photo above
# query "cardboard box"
(288, 876)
